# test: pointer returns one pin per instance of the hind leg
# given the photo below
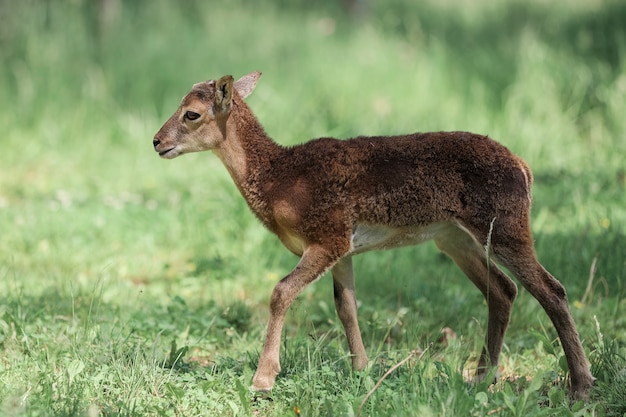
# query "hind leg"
(519, 257)
(498, 289)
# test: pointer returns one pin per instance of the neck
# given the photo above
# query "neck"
(246, 151)
(246, 147)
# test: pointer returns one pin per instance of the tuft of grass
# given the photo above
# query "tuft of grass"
(608, 365)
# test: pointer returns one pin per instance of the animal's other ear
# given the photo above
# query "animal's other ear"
(223, 94)
(245, 85)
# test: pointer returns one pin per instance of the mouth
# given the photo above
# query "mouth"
(165, 152)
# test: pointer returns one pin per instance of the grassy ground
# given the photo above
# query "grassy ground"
(130, 285)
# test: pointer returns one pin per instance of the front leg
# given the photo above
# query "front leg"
(315, 260)
(345, 303)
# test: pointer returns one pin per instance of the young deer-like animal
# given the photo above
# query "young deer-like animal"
(330, 199)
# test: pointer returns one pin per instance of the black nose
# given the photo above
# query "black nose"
(155, 142)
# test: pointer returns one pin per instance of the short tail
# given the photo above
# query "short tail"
(528, 176)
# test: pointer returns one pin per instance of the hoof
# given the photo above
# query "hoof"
(262, 383)
(581, 391)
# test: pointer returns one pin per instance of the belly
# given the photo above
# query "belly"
(379, 237)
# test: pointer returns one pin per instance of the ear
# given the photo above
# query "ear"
(223, 94)
(245, 85)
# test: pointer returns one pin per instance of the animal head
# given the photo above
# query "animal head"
(199, 123)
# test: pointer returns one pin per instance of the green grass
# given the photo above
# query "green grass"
(130, 285)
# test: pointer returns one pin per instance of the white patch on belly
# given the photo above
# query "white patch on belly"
(367, 237)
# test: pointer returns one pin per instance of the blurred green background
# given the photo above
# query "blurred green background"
(91, 217)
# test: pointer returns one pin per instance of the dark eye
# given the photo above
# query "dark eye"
(190, 115)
